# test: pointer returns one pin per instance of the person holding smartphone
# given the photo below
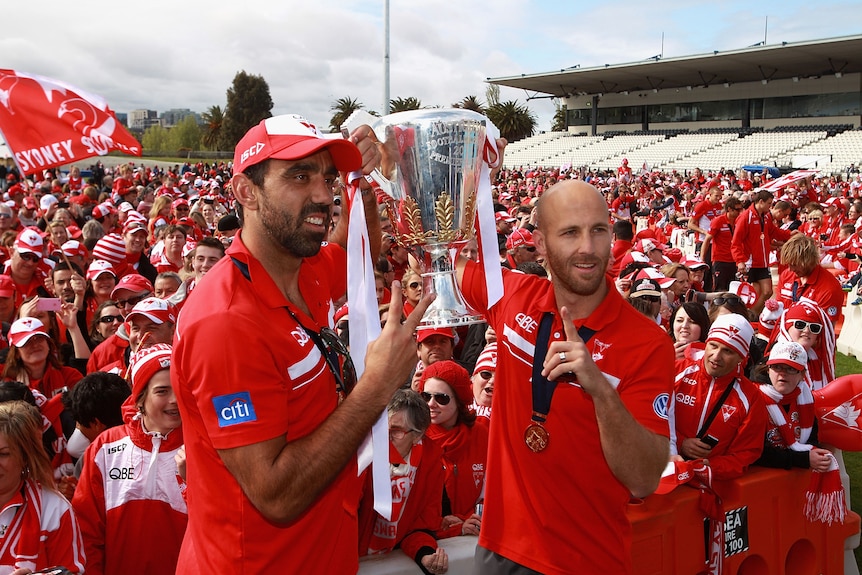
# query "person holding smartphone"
(715, 413)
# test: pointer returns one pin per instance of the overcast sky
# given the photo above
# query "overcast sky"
(158, 54)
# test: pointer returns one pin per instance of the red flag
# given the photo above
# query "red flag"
(48, 123)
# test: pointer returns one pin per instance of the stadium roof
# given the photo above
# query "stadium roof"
(813, 58)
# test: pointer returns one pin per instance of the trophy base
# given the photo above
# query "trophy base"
(449, 308)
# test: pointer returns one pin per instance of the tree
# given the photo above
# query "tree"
(156, 140)
(248, 102)
(186, 135)
(404, 104)
(492, 94)
(213, 120)
(514, 120)
(559, 122)
(342, 107)
(471, 103)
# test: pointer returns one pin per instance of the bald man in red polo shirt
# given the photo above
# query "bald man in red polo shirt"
(567, 454)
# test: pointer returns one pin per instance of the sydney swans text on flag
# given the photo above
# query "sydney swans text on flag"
(48, 123)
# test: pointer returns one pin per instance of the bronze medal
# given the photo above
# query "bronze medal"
(536, 437)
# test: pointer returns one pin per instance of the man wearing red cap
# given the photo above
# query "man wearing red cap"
(271, 450)
(136, 260)
(589, 420)
(520, 248)
(435, 345)
(24, 265)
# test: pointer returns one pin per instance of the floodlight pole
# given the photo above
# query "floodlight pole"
(385, 57)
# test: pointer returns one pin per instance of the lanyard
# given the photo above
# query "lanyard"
(543, 390)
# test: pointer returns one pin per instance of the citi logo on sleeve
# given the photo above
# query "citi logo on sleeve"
(234, 408)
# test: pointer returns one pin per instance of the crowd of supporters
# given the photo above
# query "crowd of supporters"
(98, 269)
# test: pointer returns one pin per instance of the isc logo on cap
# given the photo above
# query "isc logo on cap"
(234, 408)
(252, 151)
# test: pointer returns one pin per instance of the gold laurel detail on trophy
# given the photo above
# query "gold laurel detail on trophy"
(469, 217)
(444, 211)
(392, 214)
(411, 214)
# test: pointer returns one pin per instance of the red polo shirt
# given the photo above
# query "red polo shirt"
(245, 372)
(562, 511)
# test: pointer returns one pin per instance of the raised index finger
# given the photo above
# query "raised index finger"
(569, 326)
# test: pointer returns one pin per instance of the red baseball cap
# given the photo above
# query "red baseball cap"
(423, 334)
(291, 137)
(29, 240)
(99, 267)
(135, 283)
(156, 310)
(134, 225)
(502, 216)
(520, 237)
(74, 248)
(25, 328)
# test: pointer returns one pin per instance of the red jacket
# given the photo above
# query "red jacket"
(739, 426)
(54, 381)
(821, 287)
(130, 503)
(753, 235)
(421, 513)
(465, 450)
(106, 353)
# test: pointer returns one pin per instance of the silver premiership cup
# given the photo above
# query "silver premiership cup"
(433, 162)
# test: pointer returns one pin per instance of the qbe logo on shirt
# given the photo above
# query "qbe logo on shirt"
(234, 408)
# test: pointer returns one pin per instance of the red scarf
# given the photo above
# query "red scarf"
(451, 441)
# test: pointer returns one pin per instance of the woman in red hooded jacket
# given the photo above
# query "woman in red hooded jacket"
(130, 498)
(446, 387)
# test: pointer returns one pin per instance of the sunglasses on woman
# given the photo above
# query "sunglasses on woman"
(111, 318)
(413, 285)
(814, 328)
(441, 398)
(731, 300)
(486, 375)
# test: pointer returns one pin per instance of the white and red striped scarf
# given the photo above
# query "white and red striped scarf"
(801, 402)
(402, 475)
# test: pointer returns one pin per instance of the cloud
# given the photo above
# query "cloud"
(167, 54)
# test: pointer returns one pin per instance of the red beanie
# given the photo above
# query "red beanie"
(146, 363)
(454, 375)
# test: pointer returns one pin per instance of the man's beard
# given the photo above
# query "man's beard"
(287, 231)
(561, 272)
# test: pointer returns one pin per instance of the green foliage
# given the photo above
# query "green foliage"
(213, 120)
(156, 140)
(342, 107)
(559, 121)
(514, 121)
(404, 104)
(471, 103)
(248, 102)
(186, 135)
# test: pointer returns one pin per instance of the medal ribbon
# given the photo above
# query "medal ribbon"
(543, 390)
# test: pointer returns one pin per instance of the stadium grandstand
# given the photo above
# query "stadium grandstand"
(789, 105)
